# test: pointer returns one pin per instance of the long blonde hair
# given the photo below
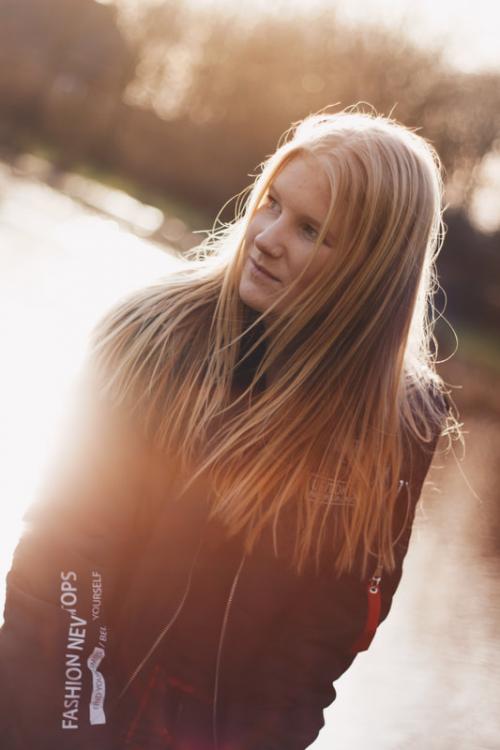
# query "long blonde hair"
(359, 383)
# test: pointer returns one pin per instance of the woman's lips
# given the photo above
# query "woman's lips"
(261, 272)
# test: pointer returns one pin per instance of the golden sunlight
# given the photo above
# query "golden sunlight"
(61, 267)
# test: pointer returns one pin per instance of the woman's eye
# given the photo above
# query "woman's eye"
(271, 202)
(310, 231)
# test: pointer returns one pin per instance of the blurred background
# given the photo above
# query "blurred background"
(124, 128)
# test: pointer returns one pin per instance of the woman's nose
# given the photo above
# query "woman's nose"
(270, 239)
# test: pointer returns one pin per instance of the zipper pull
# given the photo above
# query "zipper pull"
(375, 580)
(374, 604)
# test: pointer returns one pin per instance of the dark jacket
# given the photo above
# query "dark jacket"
(123, 634)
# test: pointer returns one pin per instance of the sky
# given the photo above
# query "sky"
(471, 35)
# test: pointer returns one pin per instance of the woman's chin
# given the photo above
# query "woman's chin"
(253, 297)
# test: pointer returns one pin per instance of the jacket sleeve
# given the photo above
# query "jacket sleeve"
(57, 639)
(317, 645)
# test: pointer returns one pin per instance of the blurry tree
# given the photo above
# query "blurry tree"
(236, 82)
(63, 65)
(228, 84)
(189, 100)
(163, 39)
(471, 270)
(193, 98)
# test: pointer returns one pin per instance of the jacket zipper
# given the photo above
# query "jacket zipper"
(219, 652)
(163, 631)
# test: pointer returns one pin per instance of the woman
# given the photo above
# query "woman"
(231, 529)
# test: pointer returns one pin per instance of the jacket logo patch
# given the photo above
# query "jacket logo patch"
(321, 487)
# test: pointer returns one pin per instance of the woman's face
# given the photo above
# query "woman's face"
(280, 238)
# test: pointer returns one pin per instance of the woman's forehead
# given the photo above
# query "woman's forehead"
(303, 181)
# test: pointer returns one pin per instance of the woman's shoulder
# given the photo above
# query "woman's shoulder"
(428, 406)
(144, 329)
(426, 417)
(140, 308)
